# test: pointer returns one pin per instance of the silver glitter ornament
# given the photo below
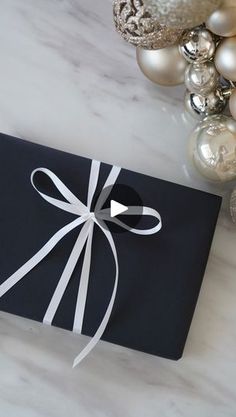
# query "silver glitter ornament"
(198, 45)
(182, 13)
(201, 78)
(138, 27)
(199, 106)
(213, 148)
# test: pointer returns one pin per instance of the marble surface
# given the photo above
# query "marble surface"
(67, 80)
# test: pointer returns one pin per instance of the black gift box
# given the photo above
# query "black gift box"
(160, 275)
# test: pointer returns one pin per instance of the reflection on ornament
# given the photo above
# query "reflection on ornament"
(197, 45)
(182, 13)
(232, 103)
(138, 27)
(201, 106)
(201, 78)
(213, 148)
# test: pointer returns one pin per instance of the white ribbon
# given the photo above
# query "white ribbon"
(85, 217)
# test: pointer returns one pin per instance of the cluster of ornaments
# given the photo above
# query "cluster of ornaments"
(191, 42)
(211, 72)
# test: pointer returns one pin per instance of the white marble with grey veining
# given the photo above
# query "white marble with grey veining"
(67, 80)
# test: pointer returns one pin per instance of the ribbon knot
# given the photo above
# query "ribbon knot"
(85, 220)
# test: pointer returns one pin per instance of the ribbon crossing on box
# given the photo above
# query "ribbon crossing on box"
(87, 219)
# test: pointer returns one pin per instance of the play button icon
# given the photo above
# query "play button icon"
(117, 208)
(113, 205)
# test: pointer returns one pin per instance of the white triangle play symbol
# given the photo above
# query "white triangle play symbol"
(117, 208)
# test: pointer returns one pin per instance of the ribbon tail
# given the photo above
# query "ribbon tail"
(67, 273)
(93, 180)
(38, 257)
(107, 188)
(83, 286)
(90, 346)
(84, 279)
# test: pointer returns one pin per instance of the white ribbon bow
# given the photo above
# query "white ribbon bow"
(86, 218)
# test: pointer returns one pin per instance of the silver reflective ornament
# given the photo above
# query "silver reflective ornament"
(138, 27)
(201, 78)
(198, 45)
(232, 103)
(182, 13)
(164, 66)
(213, 148)
(199, 106)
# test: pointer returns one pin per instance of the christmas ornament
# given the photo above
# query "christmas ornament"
(223, 21)
(201, 78)
(138, 27)
(182, 13)
(225, 58)
(205, 61)
(198, 45)
(202, 106)
(213, 148)
(232, 103)
(164, 66)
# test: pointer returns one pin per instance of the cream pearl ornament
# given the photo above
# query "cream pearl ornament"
(213, 148)
(182, 13)
(163, 66)
(201, 78)
(225, 58)
(222, 22)
(232, 104)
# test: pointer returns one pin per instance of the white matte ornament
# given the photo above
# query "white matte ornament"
(212, 148)
(163, 66)
(225, 58)
(222, 22)
(182, 13)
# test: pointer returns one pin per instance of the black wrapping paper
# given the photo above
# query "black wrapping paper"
(160, 275)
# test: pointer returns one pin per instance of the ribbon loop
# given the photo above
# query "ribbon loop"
(73, 204)
(86, 220)
(134, 211)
